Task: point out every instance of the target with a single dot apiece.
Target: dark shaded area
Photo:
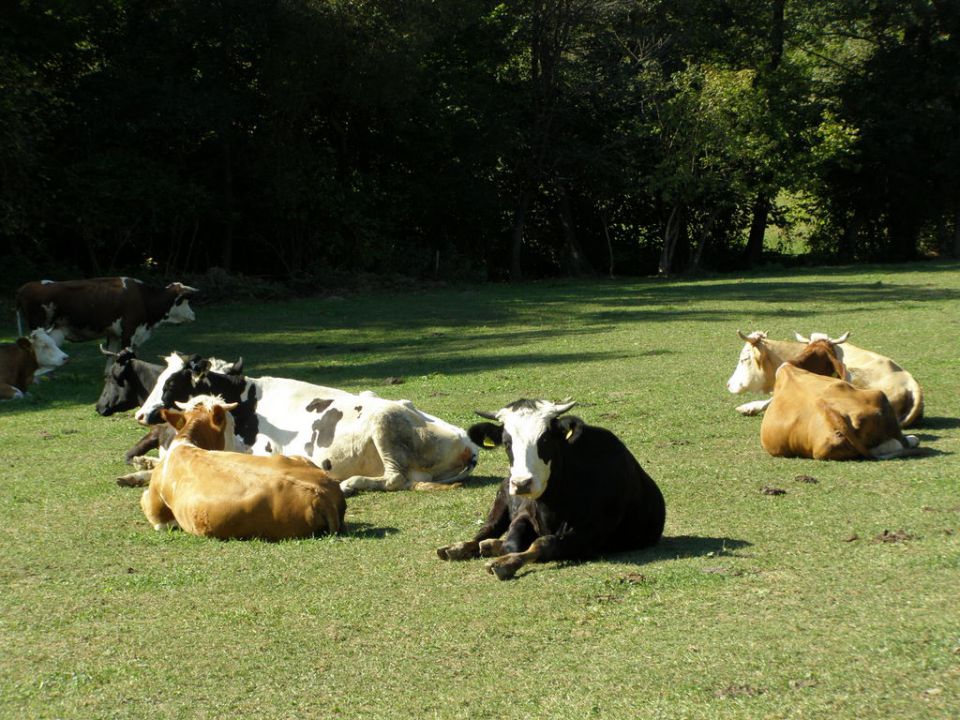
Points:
(299, 140)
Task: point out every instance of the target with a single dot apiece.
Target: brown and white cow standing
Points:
(816, 416)
(205, 491)
(122, 310)
(23, 361)
(760, 357)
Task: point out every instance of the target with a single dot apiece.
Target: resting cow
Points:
(761, 356)
(205, 491)
(128, 381)
(574, 492)
(364, 441)
(815, 416)
(123, 310)
(25, 360)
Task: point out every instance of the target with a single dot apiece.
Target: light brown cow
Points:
(761, 356)
(815, 416)
(206, 491)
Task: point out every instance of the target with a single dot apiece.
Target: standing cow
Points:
(574, 492)
(122, 310)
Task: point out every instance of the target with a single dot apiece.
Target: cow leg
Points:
(156, 510)
(145, 444)
(754, 408)
(9, 392)
(140, 478)
(572, 544)
(498, 521)
(395, 467)
(353, 484)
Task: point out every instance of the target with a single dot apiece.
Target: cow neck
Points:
(156, 303)
(146, 375)
(773, 355)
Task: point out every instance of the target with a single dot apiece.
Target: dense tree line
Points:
(472, 137)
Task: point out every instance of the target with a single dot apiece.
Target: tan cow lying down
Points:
(761, 356)
(825, 418)
(206, 491)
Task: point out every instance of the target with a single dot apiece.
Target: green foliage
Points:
(512, 138)
(753, 605)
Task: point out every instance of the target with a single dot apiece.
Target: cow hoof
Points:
(347, 490)
(458, 551)
(135, 479)
(491, 548)
(503, 570)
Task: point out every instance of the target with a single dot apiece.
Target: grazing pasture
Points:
(782, 588)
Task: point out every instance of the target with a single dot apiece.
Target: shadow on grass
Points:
(937, 423)
(368, 531)
(482, 481)
(679, 547)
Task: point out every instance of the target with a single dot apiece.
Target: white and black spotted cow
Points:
(363, 441)
(122, 310)
(574, 492)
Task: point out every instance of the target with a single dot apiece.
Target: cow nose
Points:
(521, 486)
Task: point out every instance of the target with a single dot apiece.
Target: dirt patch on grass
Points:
(897, 536)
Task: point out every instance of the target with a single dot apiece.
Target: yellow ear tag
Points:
(487, 442)
(569, 433)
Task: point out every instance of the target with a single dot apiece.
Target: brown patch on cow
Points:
(770, 490)
(806, 479)
(319, 405)
(893, 537)
(392, 380)
(739, 691)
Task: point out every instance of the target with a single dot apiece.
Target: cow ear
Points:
(486, 435)
(24, 343)
(570, 427)
(219, 417)
(173, 417)
(237, 367)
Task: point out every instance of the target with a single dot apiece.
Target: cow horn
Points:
(841, 339)
(486, 414)
(106, 352)
(800, 338)
(564, 405)
(748, 338)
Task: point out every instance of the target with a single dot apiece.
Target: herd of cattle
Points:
(275, 457)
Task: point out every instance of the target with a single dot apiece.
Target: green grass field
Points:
(752, 606)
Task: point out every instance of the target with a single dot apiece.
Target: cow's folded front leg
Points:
(460, 551)
(753, 408)
(353, 484)
(141, 478)
(506, 566)
(492, 547)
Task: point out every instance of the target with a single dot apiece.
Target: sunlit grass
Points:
(752, 606)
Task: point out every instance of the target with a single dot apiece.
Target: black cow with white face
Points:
(574, 492)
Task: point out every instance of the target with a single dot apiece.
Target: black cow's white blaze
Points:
(525, 424)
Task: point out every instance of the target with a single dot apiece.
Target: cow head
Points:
(180, 310)
(204, 421)
(749, 375)
(49, 356)
(822, 336)
(183, 378)
(120, 386)
(533, 434)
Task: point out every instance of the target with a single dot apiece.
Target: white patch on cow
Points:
(754, 408)
(49, 356)
(179, 313)
(525, 426)
(152, 403)
(140, 335)
(748, 375)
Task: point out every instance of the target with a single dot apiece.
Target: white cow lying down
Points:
(364, 441)
(760, 357)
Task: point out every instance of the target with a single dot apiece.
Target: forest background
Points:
(473, 139)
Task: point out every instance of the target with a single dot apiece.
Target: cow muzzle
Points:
(521, 485)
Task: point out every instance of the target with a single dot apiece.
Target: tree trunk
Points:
(606, 234)
(758, 226)
(577, 263)
(670, 235)
(516, 239)
(702, 242)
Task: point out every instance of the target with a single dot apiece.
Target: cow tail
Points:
(916, 409)
(842, 423)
